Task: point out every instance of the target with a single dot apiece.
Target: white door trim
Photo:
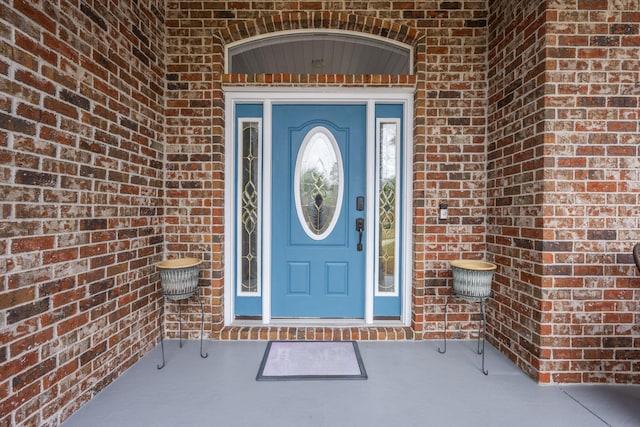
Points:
(370, 213)
(269, 96)
(266, 215)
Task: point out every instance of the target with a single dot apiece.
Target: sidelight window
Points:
(388, 207)
(249, 196)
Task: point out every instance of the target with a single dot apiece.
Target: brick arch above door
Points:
(285, 21)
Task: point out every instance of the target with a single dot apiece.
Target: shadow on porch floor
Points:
(410, 384)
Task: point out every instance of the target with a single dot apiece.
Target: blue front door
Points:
(318, 189)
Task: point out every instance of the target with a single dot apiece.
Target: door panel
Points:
(317, 270)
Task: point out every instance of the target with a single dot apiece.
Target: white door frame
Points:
(269, 96)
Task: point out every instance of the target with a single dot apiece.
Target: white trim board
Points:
(270, 96)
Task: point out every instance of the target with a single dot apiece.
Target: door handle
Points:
(360, 230)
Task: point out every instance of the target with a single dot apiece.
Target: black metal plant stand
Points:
(180, 282)
(202, 354)
(482, 327)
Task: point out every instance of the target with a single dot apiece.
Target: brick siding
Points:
(81, 148)
(563, 187)
(515, 178)
(112, 158)
(590, 328)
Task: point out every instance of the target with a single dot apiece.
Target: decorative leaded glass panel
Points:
(387, 195)
(318, 183)
(249, 208)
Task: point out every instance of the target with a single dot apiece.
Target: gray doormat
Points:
(311, 360)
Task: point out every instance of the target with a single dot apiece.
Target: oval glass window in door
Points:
(319, 183)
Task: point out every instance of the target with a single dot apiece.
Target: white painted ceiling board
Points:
(319, 53)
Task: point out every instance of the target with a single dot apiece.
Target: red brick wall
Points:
(450, 161)
(81, 184)
(449, 144)
(564, 187)
(592, 203)
(515, 178)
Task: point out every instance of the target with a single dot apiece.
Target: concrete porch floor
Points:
(410, 384)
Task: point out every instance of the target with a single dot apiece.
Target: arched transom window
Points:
(318, 52)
